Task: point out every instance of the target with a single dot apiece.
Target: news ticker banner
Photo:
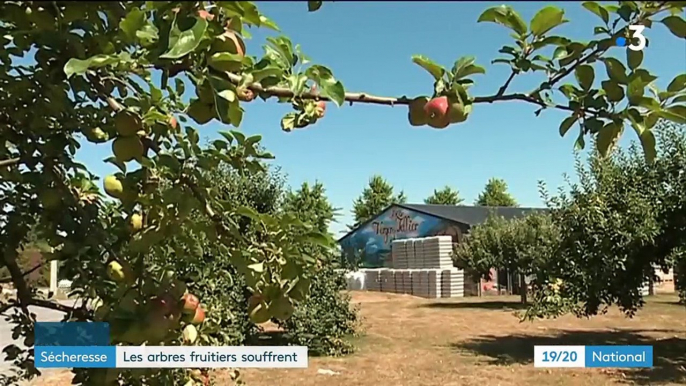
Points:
(593, 356)
(87, 345)
(130, 357)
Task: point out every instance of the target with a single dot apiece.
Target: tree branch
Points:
(8, 279)
(504, 87)
(79, 312)
(23, 292)
(403, 100)
(10, 162)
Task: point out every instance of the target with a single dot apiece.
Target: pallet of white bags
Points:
(452, 283)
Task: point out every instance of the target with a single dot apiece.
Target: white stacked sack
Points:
(372, 279)
(418, 245)
(411, 257)
(399, 252)
(437, 252)
(452, 283)
(420, 281)
(356, 280)
(404, 285)
(387, 280)
(433, 283)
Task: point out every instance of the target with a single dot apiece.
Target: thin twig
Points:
(504, 87)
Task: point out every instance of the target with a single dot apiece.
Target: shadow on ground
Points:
(484, 305)
(669, 354)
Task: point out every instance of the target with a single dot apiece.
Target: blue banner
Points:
(619, 356)
(76, 357)
(72, 334)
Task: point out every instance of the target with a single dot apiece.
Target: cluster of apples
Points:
(163, 312)
(438, 112)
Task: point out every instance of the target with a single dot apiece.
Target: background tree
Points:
(519, 246)
(445, 196)
(311, 205)
(619, 223)
(374, 198)
(326, 320)
(495, 194)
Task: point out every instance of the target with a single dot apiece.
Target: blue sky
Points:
(369, 45)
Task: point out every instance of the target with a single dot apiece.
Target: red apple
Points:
(437, 111)
(199, 316)
(320, 109)
(190, 303)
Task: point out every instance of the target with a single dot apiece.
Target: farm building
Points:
(369, 244)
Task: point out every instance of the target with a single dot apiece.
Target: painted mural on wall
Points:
(370, 245)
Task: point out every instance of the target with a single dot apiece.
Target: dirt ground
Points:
(477, 341)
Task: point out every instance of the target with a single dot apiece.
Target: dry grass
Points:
(477, 341)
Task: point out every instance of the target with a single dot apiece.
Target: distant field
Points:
(477, 341)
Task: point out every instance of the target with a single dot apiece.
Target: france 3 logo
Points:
(638, 41)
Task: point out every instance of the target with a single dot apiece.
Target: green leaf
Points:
(240, 137)
(597, 9)
(649, 103)
(506, 16)
(436, 70)
(328, 85)
(550, 40)
(318, 239)
(313, 6)
(613, 90)
(675, 114)
(635, 90)
(465, 66)
(644, 75)
(267, 72)
(222, 59)
(148, 35)
(616, 70)
(676, 25)
(608, 136)
(560, 52)
(269, 23)
(288, 121)
(120, 165)
(257, 267)
(248, 212)
(579, 144)
(634, 58)
(648, 143)
(78, 66)
(593, 125)
(134, 21)
(462, 63)
(678, 83)
(182, 43)
(567, 124)
(585, 76)
(547, 19)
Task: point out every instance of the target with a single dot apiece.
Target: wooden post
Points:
(53, 277)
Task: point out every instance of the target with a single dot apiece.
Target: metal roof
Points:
(470, 215)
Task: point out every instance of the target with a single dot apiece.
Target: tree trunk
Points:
(523, 288)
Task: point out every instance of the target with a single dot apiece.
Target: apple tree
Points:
(620, 222)
(138, 79)
(519, 246)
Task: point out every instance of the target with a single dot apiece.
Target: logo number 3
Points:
(638, 34)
